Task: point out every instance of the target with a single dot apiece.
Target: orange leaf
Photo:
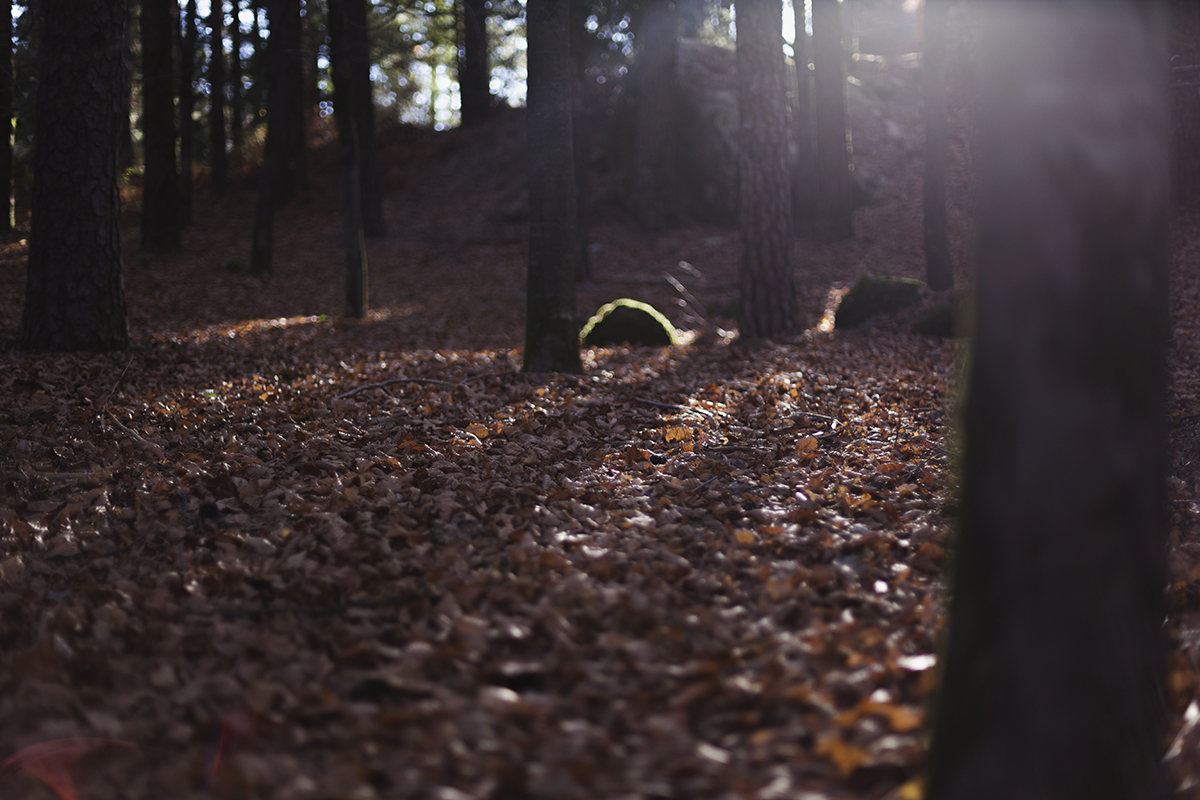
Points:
(807, 445)
(54, 762)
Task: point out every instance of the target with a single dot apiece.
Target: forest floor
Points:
(274, 552)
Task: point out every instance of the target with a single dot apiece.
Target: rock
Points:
(628, 321)
(873, 295)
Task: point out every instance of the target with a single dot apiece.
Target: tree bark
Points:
(273, 182)
(551, 326)
(363, 101)
(74, 296)
(187, 105)
(654, 193)
(6, 118)
(939, 270)
(474, 79)
(580, 125)
(1055, 654)
(237, 106)
(216, 98)
(288, 83)
(160, 185)
(764, 192)
(834, 199)
(804, 180)
(344, 112)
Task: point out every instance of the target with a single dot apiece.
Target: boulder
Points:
(628, 321)
(873, 295)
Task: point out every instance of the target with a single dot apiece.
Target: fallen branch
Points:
(673, 407)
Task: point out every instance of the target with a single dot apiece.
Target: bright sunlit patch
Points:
(251, 326)
(832, 300)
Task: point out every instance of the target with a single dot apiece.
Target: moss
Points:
(628, 321)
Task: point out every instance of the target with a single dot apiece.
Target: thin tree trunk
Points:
(160, 192)
(939, 271)
(764, 192)
(187, 106)
(237, 109)
(363, 101)
(474, 78)
(551, 325)
(1054, 662)
(344, 111)
(7, 219)
(216, 98)
(74, 296)
(804, 181)
(835, 202)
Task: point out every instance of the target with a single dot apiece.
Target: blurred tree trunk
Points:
(273, 184)
(363, 101)
(160, 185)
(654, 190)
(939, 271)
(344, 112)
(804, 181)
(764, 191)
(7, 113)
(125, 137)
(216, 97)
(1054, 661)
(187, 105)
(834, 200)
(74, 297)
(474, 75)
(580, 125)
(551, 326)
(288, 83)
(237, 107)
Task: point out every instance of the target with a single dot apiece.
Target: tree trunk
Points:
(216, 98)
(363, 102)
(272, 179)
(160, 192)
(237, 109)
(835, 203)
(474, 77)
(7, 219)
(804, 180)
(344, 111)
(580, 125)
(125, 137)
(551, 326)
(654, 193)
(187, 105)
(288, 83)
(1053, 666)
(939, 271)
(74, 297)
(764, 191)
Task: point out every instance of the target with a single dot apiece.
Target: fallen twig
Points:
(673, 407)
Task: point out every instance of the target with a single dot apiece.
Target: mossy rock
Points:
(627, 321)
(873, 295)
(947, 317)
